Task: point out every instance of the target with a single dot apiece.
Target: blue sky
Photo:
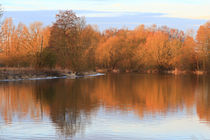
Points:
(106, 19)
(180, 14)
(193, 9)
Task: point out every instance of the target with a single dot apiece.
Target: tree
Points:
(7, 34)
(159, 51)
(203, 38)
(47, 58)
(70, 43)
(21, 46)
(112, 51)
(187, 55)
(65, 39)
(90, 38)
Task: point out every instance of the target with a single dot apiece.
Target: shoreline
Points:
(18, 74)
(170, 72)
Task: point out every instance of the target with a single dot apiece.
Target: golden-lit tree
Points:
(70, 43)
(21, 45)
(65, 39)
(184, 54)
(7, 34)
(203, 38)
(159, 50)
(89, 40)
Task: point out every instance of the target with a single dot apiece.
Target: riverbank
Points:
(155, 71)
(13, 74)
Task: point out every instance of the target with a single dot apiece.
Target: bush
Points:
(47, 58)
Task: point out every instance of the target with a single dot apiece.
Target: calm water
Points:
(120, 106)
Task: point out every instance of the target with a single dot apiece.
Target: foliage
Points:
(47, 58)
(71, 43)
(65, 39)
(203, 38)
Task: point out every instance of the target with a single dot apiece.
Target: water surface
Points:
(116, 106)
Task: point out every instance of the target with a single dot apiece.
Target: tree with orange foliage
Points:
(65, 39)
(70, 43)
(20, 46)
(187, 54)
(7, 31)
(89, 40)
(159, 51)
(203, 38)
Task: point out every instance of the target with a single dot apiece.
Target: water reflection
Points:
(71, 104)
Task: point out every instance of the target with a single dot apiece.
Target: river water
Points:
(114, 106)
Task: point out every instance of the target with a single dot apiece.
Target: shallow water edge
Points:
(14, 74)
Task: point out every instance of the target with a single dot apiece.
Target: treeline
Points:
(71, 43)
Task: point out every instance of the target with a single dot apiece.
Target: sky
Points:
(181, 14)
(195, 9)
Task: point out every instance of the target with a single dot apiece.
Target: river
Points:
(113, 106)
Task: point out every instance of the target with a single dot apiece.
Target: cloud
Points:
(194, 9)
(107, 19)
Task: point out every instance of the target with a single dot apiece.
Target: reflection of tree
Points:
(70, 103)
(17, 101)
(203, 104)
(147, 94)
